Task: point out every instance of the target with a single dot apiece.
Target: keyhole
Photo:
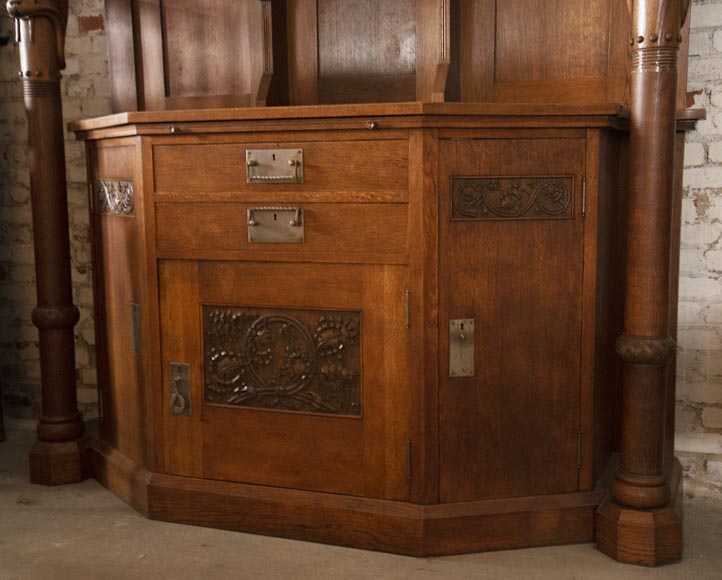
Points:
(462, 327)
(275, 217)
(274, 156)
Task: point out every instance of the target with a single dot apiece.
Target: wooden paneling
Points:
(565, 39)
(220, 68)
(477, 34)
(182, 435)
(121, 55)
(511, 430)
(373, 233)
(366, 50)
(303, 53)
(118, 277)
(332, 171)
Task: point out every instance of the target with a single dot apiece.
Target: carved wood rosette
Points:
(282, 359)
(40, 33)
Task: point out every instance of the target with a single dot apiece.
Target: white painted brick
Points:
(689, 211)
(715, 153)
(714, 260)
(89, 377)
(689, 313)
(698, 443)
(714, 211)
(704, 177)
(710, 366)
(713, 472)
(82, 356)
(88, 333)
(689, 465)
(87, 396)
(699, 392)
(700, 44)
(699, 288)
(691, 260)
(699, 339)
(78, 45)
(686, 419)
(712, 417)
(714, 314)
(700, 234)
(694, 155)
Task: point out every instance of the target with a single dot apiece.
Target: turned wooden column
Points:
(646, 345)
(40, 33)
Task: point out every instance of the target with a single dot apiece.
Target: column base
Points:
(644, 537)
(59, 463)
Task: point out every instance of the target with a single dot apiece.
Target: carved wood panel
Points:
(503, 198)
(283, 359)
(114, 197)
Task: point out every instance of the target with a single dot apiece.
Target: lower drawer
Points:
(340, 233)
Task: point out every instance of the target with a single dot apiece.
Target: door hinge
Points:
(584, 197)
(579, 449)
(135, 327)
(408, 309)
(408, 460)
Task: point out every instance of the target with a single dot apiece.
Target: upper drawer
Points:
(338, 171)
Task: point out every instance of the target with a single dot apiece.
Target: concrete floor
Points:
(82, 531)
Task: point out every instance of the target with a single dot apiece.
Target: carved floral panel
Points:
(114, 197)
(283, 359)
(504, 198)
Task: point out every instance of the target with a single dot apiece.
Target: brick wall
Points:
(699, 383)
(86, 93)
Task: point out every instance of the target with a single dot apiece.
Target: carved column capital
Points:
(26, 12)
(657, 23)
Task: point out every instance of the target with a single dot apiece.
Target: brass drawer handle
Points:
(276, 225)
(269, 165)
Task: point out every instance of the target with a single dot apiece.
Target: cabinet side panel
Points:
(611, 243)
(118, 270)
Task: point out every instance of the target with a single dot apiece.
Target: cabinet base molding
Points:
(58, 463)
(387, 526)
(645, 537)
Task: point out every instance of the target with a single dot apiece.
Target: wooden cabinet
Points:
(402, 324)
(318, 372)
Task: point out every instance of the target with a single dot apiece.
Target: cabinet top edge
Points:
(360, 110)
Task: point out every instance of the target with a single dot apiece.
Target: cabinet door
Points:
(298, 374)
(512, 260)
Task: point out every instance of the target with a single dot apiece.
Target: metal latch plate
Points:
(274, 166)
(276, 225)
(180, 389)
(461, 347)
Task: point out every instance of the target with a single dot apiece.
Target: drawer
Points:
(340, 171)
(340, 233)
